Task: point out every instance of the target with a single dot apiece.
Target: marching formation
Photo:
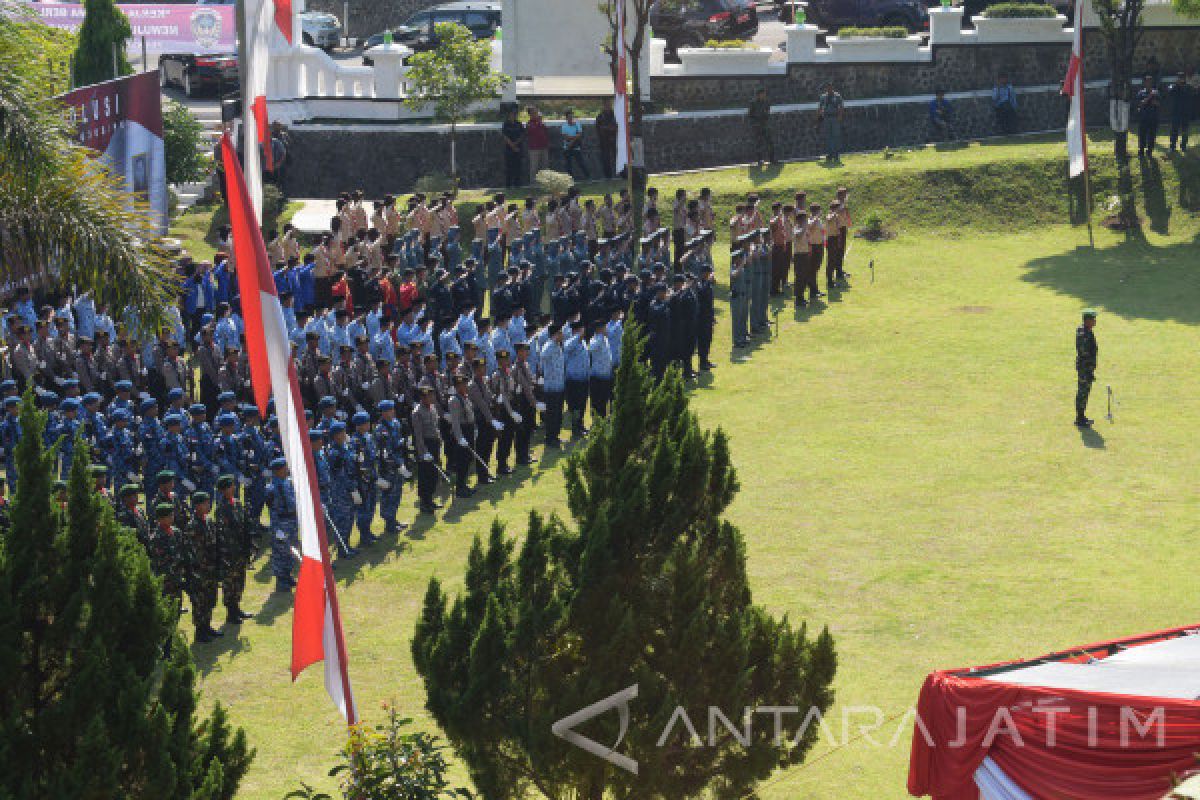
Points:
(404, 377)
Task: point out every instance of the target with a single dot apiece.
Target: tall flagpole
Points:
(1087, 168)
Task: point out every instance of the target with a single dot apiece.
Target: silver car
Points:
(321, 29)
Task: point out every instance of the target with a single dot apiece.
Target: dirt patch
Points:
(974, 309)
(875, 234)
(1114, 222)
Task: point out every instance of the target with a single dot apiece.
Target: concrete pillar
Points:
(389, 69)
(945, 25)
(801, 43)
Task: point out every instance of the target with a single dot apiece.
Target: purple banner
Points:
(166, 28)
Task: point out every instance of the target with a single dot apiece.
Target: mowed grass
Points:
(909, 476)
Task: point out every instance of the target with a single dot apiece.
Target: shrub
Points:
(889, 32)
(730, 44)
(183, 143)
(553, 182)
(1019, 11)
(873, 223)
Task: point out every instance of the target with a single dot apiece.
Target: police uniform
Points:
(281, 496)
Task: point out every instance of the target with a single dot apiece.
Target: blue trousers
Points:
(389, 501)
(365, 513)
(283, 539)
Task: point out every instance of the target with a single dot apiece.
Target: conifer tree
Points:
(90, 707)
(646, 585)
(105, 30)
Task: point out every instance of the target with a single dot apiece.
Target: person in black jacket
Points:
(658, 331)
(706, 318)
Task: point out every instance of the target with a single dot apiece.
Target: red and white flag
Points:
(268, 25)
(1073, 87)
(316, 623)
(621, 92)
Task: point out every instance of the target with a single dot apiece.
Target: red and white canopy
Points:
(1117, 719)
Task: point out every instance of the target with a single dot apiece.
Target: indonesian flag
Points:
(621, 97)
(316, 623)
(268, 23)
(1073, 87)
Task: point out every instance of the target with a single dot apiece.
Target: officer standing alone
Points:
(1086, 352)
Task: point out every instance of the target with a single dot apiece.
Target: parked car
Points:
(419, 33)
(320, 29)
(691, 23)
(833, 15)
(196, 73)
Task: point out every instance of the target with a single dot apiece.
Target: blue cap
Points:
(70, 383)
(147, 404)
(91, 397)
(11, 401)
(69, 404)
(226, 397)
(316, 433)
(337, 427)
(250, 410)
(123, 386)
(226, 419)
(197, 408)
(385, 405)
(327, 402)
(172, 419)
(206, 318)
(278, 463)
(8, 384)
(361, 418)
(175, 394)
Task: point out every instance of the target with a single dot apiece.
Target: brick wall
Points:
(956, 68)
(328, 159)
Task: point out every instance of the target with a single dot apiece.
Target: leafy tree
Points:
(183, 137)
(648, 586)
(1189, 8)
(61, 218)
(452, 77)
(90, 707)
(104, 31)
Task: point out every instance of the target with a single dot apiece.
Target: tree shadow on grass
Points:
(1133, 279)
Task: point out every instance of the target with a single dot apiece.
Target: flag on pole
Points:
(1073, 87)
(268, 25)
(621, 91)
(316, 623)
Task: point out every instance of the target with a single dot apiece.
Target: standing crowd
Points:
(403, 374)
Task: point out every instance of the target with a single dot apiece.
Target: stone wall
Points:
(328, 159)
(368, 17)
(956, 68)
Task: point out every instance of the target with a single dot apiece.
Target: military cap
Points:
(11, 401)
(337, 427)
(69, 404)
(98, 469)
(385, 405)
(1089, 313)
(8, 384)
(323, 359)
(360, 418)
(163, 510)
(128, 489)
(250, 410)
(200, 497)
(147, 404)
(278, 463)
(327, 402)
(316, 433)
(175, 393)
(225, 481)
(226, 419)
(164, 475)
(678, 278)
(60, 485)
(172, 419)
(71, 383)
(197, 409)
(424, 390)
(225, 397)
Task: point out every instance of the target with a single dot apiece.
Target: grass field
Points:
(909, 473)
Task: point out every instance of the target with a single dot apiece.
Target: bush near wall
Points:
(1019, 11)
(889, 32)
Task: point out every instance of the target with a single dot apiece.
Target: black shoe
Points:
(202, 636)
(554, 443)
(1083, 422)
(504, 469)
(525, 462)
(485, 480)
(819, 294)
(367, 539)
(464, 491)
(213, 633)
(232, 619)
(427, 508)
(347, 552)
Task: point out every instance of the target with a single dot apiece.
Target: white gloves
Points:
(517, 418)
(266, 473)
(540, 406)
(380, 483)
(366, 385)
(191, 487)
(131, 477)
(427, 457)
(281, 536)
(356, 497)
(404, 472)
(497, 424)
(244, 481)
(462, 442)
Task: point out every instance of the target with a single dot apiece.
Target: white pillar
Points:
(801, 43)
(658, 56)
(389, 69)
(945, 25)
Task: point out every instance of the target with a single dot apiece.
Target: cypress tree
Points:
(645, 585)
(104, 28)
(90, 707)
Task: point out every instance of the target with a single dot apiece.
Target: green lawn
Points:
(909, 473)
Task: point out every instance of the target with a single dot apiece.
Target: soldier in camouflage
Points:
(204, 567)
(1086, 352)
(236, 544)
